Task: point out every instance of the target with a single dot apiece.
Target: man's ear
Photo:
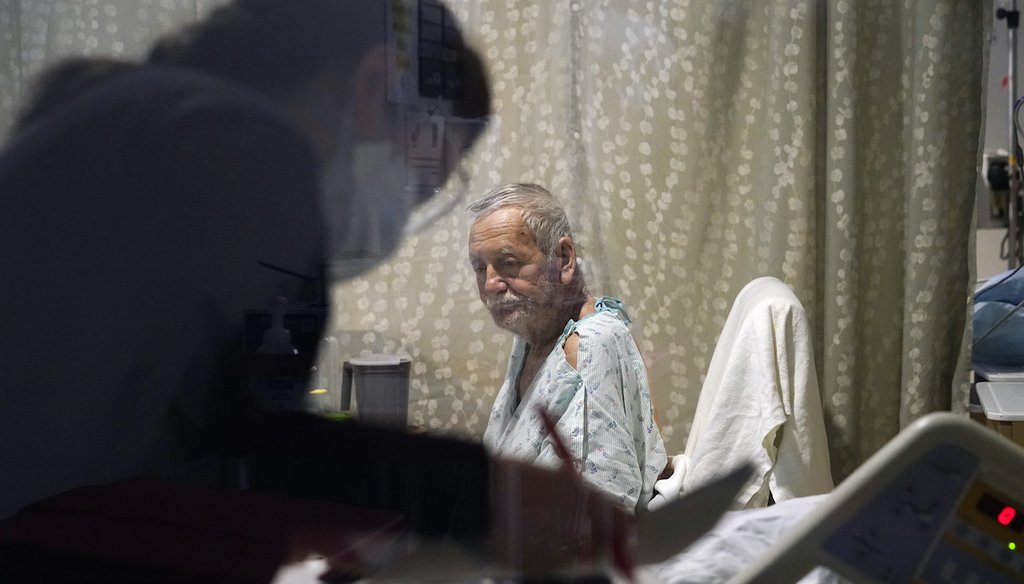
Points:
(565, 253)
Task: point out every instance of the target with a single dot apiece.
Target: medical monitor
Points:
(942, 502)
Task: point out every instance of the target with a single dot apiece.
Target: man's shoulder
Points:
(171, 83)
(144, 96)
(156, 134)
(602, 326)
(173, 96)
(609, 313)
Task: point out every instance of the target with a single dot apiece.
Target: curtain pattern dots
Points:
(706, 143)
(697, 144)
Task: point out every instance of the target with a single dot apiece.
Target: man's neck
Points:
(542, 342)
(539, 346)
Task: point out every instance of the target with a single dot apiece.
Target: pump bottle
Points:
(278, 373)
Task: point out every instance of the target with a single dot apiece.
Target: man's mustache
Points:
(506, 300)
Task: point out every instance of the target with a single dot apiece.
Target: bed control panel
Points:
(943, 502)
(889, 533)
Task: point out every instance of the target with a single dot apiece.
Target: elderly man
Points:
(573, 355)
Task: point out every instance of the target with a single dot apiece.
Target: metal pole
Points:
(1012, 17)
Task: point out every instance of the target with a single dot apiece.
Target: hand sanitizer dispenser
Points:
(278, 373)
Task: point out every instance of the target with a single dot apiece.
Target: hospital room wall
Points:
(684, 141)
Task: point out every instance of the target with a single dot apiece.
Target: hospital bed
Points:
(942, 502)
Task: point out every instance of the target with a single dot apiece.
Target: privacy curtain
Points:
(697, 144)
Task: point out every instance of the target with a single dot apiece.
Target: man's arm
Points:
(624, 450)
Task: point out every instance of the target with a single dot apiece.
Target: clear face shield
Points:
(385, 189)
(397, 126)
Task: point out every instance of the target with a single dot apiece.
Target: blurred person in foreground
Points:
(573, 356)
(62, 82)
(137, 210)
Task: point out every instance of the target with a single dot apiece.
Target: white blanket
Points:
(760, 401)
(733, 543)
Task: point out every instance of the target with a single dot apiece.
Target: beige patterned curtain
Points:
(697, 144)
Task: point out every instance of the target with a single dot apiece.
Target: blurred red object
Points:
(143, 530)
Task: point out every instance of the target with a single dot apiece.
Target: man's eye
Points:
(479, 268)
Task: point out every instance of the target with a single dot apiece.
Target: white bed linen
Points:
(737, 539)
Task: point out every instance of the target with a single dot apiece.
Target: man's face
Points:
(516, 281)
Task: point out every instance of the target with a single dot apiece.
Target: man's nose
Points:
(493, 282)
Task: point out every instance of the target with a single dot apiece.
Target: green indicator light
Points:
(1012, 546)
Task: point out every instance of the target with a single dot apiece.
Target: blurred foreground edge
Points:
(145, 530)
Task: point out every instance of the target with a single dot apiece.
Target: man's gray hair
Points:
(541, 212)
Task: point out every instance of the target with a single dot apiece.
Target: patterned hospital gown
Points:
(602, 409)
